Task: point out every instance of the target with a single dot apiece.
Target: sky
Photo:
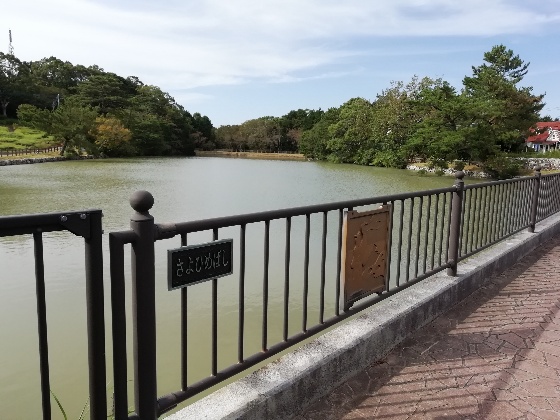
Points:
(235, 60)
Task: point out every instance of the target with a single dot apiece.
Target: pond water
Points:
(184, 189)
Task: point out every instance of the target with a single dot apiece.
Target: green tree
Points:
(313, 143)
(12, 87)
(111, 137)
(71, 123)
(351, 137)
(505, 111)
(440, 134)
(158, 124)
(107, 91)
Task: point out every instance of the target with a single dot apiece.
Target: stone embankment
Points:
(546, 164)
(449, 171)
(25, 161)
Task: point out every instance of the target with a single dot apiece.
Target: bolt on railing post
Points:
(455, 224)
(143, 312)
(535, 200)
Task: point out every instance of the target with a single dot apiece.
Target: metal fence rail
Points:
(430, 231)
(27, 151)
(86, 224)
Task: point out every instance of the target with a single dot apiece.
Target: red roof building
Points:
(547, 137)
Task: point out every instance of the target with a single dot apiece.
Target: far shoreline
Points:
(250, 155)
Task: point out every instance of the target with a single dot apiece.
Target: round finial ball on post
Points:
(141, 201)
(538, 168)
(459, 174)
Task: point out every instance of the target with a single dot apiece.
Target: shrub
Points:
(501, 167)
(437, 164)
(459, 165)
(439, 172)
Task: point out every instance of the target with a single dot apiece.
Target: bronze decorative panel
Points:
(365, 246)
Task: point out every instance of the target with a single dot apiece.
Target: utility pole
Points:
(11, 47)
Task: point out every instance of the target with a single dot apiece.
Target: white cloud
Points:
(188, 44)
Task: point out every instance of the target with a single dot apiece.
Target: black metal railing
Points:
(430, 231)
(86, 224)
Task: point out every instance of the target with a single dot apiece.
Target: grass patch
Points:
(15, 137)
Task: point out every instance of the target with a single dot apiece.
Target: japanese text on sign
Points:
(197, 263)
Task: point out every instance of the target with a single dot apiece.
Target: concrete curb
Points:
(286, 387)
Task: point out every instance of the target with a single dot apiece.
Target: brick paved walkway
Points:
(496, 355)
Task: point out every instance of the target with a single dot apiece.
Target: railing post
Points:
(143, 303)
(455, 224)
(535, 200)
(96, 318)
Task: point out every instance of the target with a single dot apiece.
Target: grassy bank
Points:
(13, 136)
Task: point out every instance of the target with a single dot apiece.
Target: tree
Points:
(395, 119)
(440, 135)
(111, 137)
(11, 85)
(313, 143)
(293, 124)
(351, 137)
(158, 124)
(107, 91)
(505, 111)
(71, 123)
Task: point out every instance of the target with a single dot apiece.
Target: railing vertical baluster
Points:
(118, 318)
(555, 188)
(535, 199)
(418, 232)
(390, 246)
(503, 210)
(476, 217)
(184, 330)
(338, 262)
(543, 201)
(485, 219)
(495, 198)
(462, 224)
(42, 325)
(264, 345)
(434, 232)
(517, 205)
(287, 279)
(323, 269)
(399, 247)
(95, 304)
(306, 274)
(143, 292)
(442, 229)
(409, 245)
(481, 219)
(241, 327)
(526, 200)
(455, 225)
(466, 220)
(215, 317)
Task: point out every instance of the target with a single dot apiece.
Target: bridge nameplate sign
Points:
(193, 264)
(365, 247)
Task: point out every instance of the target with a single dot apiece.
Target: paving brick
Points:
(496, 355)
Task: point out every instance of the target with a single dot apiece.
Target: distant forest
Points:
(421, 119)
(87, 108)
